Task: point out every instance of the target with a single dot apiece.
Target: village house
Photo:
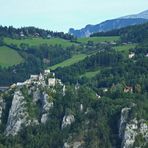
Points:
(128, 89)
(51, 81)
(105, 89)
(47, 71)
(131, 55)
(48, 36)
(22, 34)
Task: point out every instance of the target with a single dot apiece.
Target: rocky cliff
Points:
(75, 115)
(29, 102)
(133, 132)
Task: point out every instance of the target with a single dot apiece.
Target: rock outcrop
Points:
(130, 129)
(17, 114)
(46, 106)
(31, 102)
(1, 108)
(76, 144)
(67, 120)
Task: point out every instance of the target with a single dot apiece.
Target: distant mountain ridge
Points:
(143, 15)
(111, 25)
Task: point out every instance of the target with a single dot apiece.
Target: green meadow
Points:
(9, 57)
(38, 41)
(71, 61)
(125, 48)
(99, 39)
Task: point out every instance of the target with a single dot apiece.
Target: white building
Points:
(46, 72)
(51, 81)
(34, 77)
(20, 84)
(131, 55)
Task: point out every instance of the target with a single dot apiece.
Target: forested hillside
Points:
(135, 34)
(95, 96)
(29, 50)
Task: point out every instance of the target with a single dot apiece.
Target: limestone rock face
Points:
(36, 95)
(123, 120)
(17, 114)
(1, 108)
(67, 120)
(31, 102)
(76, 144)
(130, 134)
(46, 106)
(144, 129)
(130, 129)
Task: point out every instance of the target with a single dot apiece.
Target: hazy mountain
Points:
(143, 15)
(111, 24)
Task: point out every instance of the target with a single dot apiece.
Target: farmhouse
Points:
(128, 89)
(131, 55)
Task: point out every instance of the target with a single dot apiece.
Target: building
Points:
(34, 77)
(131, 55)
(47, 71)
(51, 81)
(128, 89)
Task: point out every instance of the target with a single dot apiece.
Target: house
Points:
(34, 77)
(48, 36)
(98, 96)
(131, 55)
(47, 71)
(128, 89)
(22, 34)
(51, 81)
(20, 83)
(105, 89)
(113, 43)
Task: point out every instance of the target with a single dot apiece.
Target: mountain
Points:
(143, 15)
(111, 24)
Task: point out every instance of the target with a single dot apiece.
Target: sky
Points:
(60, 15)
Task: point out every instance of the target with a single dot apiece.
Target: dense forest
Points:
(25, 32)
(135, 34)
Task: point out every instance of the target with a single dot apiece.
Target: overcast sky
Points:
(60, 15)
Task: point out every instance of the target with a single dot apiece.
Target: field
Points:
(90, 74)
(38, 41)
(98, 39)
(125, 48)
(9, 57)
(71, 61)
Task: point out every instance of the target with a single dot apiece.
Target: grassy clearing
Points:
(71, 61)
(90, 74)
(125, 48)
(9, 57)
(38, 41)
(99, 39)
